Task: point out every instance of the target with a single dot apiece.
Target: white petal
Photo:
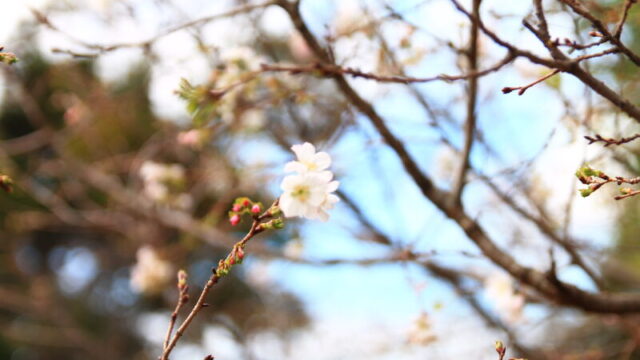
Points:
(304, 152)
(290, 207)
(295, 166)
(333, 186)
(323, 216)
(317, 196)
(311, 212)
(322, 160)
(323, 176)
(290, 182)
(329, 202)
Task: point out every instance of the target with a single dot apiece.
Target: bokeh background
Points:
(124, 174)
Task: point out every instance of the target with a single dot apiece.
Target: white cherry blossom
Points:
(308, 159)
(309, 192)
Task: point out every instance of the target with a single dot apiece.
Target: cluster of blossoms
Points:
(163, 183)
(309, 192)
(150, 274)
(499, 289)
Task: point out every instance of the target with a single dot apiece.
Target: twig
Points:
(101, 49)
(627, 6)
(472, 99)
(567, 65)
(579, 9)
(325, 69)
(610, 141)
(224, 266)
(568, 294)
(183, 298)
(595, 179)
(524, 88)
(630, 194)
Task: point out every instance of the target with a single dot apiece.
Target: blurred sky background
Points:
(360, 312)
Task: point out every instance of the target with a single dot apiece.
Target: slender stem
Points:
(256, 228)
(472, 100)
(174, 316)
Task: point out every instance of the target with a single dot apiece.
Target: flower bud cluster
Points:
(235, 257)
(242, 206)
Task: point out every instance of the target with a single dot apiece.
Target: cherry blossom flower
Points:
(150, 274)
(309, 192)
(308, 159)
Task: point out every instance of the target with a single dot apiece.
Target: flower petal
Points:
(295, 166)
(322, 160)
(304, 152)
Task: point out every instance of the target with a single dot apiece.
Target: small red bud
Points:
(246, 202)
(240, 253)
(234, 220)
(236, 208)
(232, 260)
(256, 209)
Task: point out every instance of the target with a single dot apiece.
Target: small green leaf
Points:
(586, 192)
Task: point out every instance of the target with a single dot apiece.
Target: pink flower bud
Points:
(236, 208)
(240, 253)
(234, 220)
(246, 202)
(256, 209)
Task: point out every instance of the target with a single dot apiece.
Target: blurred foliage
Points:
(68, 244)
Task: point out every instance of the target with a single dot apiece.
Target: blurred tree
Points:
(68, 244)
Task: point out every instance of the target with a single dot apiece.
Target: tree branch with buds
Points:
(268, 220)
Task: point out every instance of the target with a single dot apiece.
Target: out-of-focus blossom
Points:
(421, 332)
(241, 58)
(299, 48)
(500, 290)
(153, 171)
(253, 119)
(151, 274)
(163, 183)
(294, 249)
(349, 19)
(193, 138)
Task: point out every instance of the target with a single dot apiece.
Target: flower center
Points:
(301, 192)
(311, 166)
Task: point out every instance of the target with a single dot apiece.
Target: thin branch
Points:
(522, 89)
(330, 70)
(557, 291)
(101, 49)
(235, 256)
(579, 9)
(610, 141)
(183, 298)
(568, 65)
(472, 99)
(625, 12)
